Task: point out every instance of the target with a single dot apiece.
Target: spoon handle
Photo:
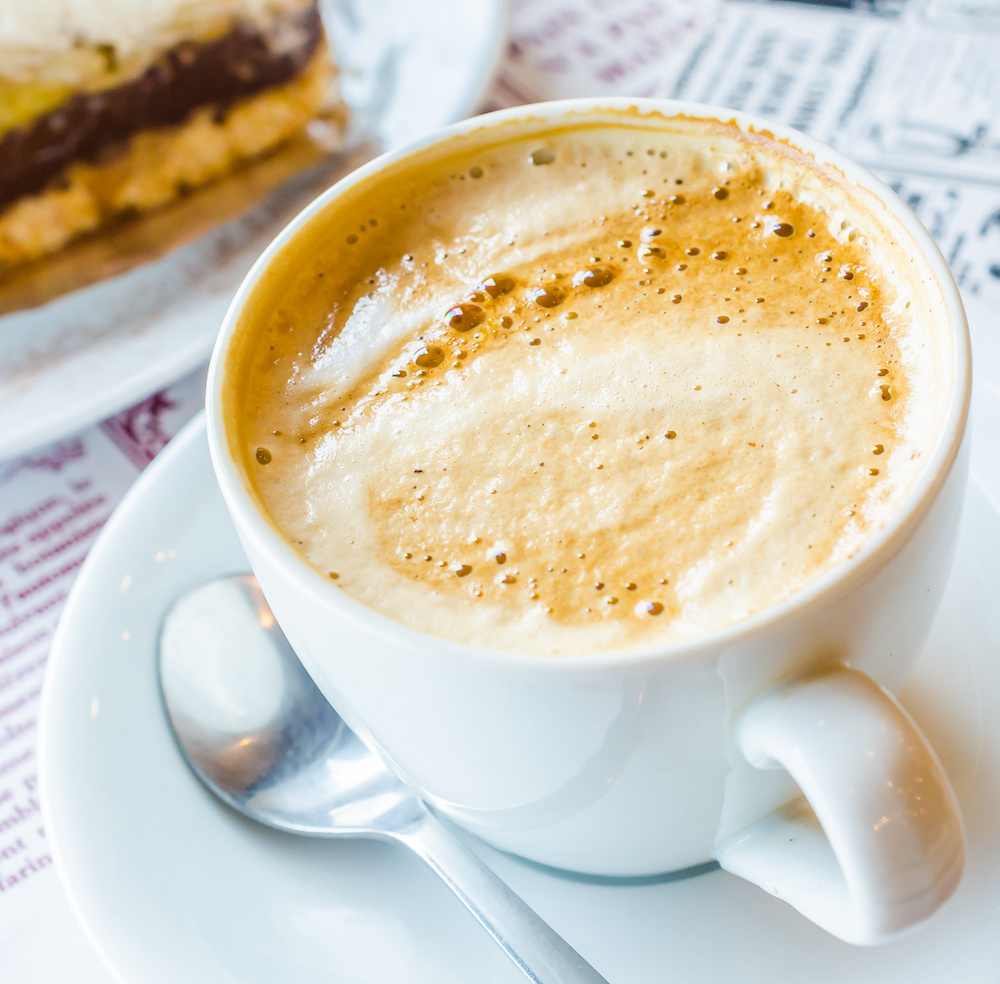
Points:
(540, 953)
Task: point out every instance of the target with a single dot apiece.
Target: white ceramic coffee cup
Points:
(652, 760)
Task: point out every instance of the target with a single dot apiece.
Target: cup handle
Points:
(875, 846)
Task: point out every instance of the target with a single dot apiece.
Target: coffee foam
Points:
(654, 421)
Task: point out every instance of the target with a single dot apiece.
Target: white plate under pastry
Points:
(170, 885)
(407, 68)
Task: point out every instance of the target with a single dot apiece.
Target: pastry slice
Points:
(110, 108)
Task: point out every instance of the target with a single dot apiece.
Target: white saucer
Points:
(408, 69)
(172, 886)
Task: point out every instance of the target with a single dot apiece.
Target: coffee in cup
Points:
(589, 389)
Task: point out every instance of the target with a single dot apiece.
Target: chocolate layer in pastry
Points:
(245, 61)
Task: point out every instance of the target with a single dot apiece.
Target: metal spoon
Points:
(257, 731)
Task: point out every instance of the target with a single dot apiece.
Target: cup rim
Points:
(875, 550)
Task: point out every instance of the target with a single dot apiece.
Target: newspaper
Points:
(910, 88)
(53, 504)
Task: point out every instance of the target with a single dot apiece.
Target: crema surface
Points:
(588, 390)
